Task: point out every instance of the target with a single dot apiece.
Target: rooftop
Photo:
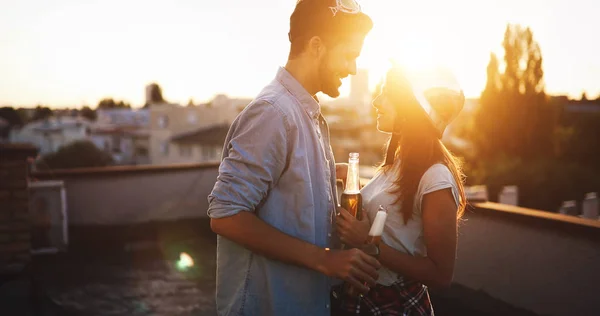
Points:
(123, 249)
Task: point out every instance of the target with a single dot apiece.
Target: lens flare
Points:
(185, 261)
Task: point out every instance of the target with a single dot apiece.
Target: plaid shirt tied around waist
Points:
(405, 298)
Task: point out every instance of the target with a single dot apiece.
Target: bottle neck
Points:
(352, 178)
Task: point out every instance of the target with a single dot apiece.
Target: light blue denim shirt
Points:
(278, 164)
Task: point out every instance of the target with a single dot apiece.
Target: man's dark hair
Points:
(315, 18)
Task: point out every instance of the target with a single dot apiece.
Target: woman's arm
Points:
(439, 224)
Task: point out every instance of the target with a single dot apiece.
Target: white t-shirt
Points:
(407, 238)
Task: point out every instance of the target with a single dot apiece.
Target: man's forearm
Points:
(253, 233)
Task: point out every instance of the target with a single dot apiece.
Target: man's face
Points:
(337, 62)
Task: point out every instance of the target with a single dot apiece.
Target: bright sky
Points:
(73, 52)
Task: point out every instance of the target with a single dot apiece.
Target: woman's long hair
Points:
(416, 148)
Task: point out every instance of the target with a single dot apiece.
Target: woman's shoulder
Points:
(438, 169)
(438, 175)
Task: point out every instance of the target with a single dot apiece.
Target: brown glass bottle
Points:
(351, 199)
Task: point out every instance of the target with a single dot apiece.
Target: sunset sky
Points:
(74, 52)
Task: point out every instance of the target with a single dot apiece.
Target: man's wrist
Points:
(318, 260)
(372, 250)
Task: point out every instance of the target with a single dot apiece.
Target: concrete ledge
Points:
(556, 217)
(537, 261)
(117, 170)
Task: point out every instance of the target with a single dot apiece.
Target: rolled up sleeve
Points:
(254, 158)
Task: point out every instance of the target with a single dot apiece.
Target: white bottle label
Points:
(378, 224)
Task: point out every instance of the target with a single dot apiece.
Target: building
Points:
(201, 145)
(360, 93)
(170, 122)
(359, 100)
(126, 146)
(124, 134)
(50, 134)
(353, 136)
(123, 117)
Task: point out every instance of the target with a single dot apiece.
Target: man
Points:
(275, 197)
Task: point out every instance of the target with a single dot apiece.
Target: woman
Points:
(420, 185)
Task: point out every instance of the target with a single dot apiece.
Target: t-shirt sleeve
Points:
(437, 177)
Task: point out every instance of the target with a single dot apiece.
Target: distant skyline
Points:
(72, 53)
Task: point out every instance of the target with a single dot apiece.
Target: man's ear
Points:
(316, 46)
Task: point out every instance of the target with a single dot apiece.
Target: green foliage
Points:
(79, 154)
(522, 138)
(515, 117)
(41, 113)
(543, 183)
(109, 103)
(88, 113)
(11, 116)
(580, 136)
(155, 95)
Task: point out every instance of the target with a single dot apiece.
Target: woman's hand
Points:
(352, 232)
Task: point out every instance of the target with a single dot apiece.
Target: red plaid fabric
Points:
(405, 298)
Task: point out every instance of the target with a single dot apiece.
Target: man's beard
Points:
(328, 80)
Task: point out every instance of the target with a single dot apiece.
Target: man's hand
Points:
(353, 266)
(352, 232)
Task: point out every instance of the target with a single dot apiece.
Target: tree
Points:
(109, 103)
(155, 94)
(41, 113)
(88, 113)
(12, 119)
(515, 131)
(79, 154)
(514, 117)
(11, 116)
(24, 114)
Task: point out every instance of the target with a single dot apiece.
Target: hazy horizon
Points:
(67, 53)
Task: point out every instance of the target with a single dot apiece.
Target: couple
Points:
(274, 204)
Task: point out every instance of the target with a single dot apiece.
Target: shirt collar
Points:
(308, 102)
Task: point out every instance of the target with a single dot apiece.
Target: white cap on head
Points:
(438, 92)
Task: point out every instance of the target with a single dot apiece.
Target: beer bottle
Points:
(351, 198)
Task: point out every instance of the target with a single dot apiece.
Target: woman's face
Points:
(386, 111)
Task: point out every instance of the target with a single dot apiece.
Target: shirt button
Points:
(329, 197)
(329, 235)
(327, 305)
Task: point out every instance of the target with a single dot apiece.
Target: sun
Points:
(412, 52)
(412, 35)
